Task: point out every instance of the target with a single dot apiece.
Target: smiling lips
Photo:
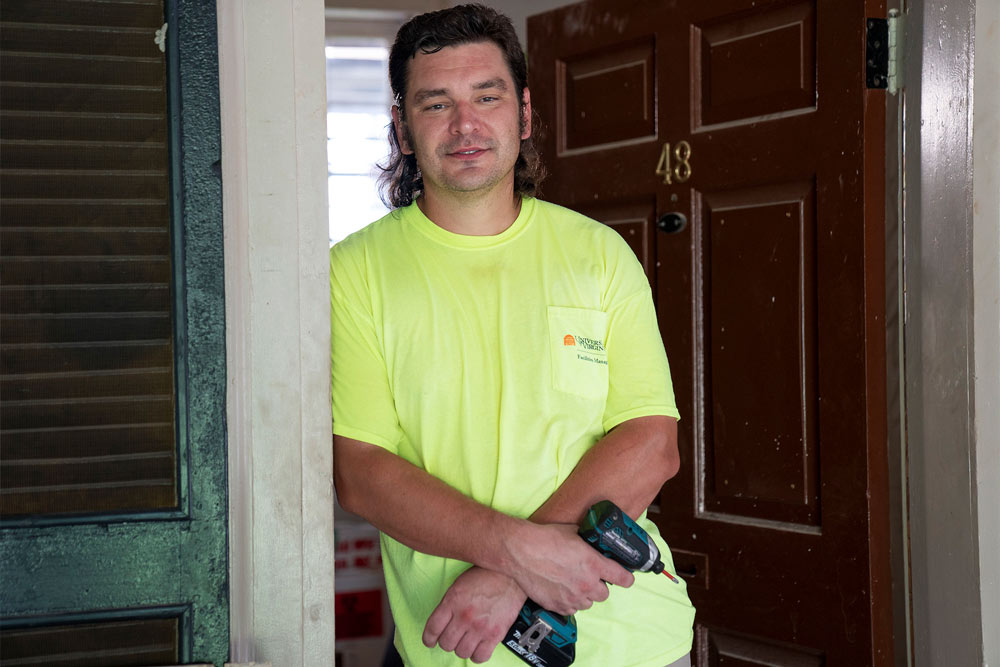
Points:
(467, 153)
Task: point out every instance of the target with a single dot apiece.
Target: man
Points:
(497, 369)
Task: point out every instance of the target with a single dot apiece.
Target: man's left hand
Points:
(475, 614)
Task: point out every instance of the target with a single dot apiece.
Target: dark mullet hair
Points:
(400, 181)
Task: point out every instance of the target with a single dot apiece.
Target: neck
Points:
(471, 214)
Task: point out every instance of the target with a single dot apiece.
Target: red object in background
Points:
(359, 614)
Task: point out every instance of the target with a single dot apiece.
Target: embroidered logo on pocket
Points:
(588, 349)
(579, 359)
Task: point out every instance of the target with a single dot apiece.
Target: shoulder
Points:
(356, 261)
(598, 248)
(576, 229)
(371, 235)
(382, 237)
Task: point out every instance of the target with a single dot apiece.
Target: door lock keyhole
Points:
(672, 223)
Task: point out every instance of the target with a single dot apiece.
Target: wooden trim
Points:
(939, 341)
(880, 571)
(274, 167)
(235, 202)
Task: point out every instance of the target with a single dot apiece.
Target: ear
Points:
(526, 114)
(397, 125)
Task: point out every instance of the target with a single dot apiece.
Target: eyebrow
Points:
(497, 83)
(426, 94)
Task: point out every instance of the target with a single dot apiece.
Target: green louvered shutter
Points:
(111, 510)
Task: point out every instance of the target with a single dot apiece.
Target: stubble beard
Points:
(482, 175)
(454, 184)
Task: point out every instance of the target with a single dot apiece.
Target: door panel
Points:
(729, 650)
(624, 73)
(758, 136)
(759, 443)
(748, 65)
(151, 641)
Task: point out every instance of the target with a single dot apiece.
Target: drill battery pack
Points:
(542, 638)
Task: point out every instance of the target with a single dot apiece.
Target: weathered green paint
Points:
(111, 563)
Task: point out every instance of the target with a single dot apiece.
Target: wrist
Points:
(503, 555)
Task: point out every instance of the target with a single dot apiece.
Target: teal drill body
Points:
(617, 536)
(545, 639)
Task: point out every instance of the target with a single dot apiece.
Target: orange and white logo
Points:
(569, 340)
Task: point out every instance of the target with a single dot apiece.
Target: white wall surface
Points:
(272, 85)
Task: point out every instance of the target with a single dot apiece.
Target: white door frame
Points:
(273, 98)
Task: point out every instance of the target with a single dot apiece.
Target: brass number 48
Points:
(681, 171)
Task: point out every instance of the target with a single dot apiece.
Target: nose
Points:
(465, 120)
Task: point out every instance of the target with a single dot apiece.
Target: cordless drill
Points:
(544, 638)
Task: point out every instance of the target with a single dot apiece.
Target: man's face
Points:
(464, 119)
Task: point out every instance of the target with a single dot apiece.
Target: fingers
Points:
(584, 585)
(484, 651)
(570, 608)
(466, 647)
(436, 624)
(613, 573)
(476, 649)
(471, 646)
(451, 637)
(465, 638)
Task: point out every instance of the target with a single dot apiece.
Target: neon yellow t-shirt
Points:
(494, 363)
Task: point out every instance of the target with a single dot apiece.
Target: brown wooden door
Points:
(770, 298)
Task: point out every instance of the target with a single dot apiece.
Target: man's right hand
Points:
(559, 571)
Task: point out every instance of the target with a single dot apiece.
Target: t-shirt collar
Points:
(413, 215)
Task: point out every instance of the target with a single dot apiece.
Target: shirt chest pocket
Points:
(576, 347)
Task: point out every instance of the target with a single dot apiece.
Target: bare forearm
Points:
(549, 563)
(627, 466)
(417, 509)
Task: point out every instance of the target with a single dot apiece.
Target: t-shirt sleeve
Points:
(639, 383)
(363, 407)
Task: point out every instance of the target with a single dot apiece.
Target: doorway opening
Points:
(357, 112)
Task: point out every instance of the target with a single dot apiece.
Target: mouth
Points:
(468, 153)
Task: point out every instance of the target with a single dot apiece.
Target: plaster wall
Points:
(272, 81)
(986, 286)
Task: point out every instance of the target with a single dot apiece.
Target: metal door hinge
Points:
(895, 70)
(882, 50)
